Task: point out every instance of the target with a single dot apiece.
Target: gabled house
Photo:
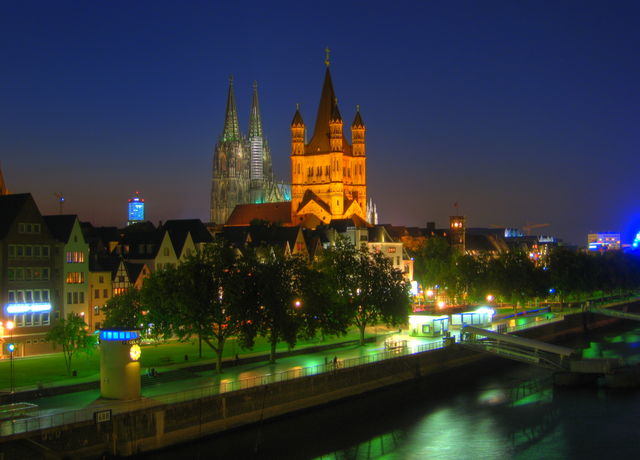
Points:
(30, 297)
(101, 271)
(187, 236)
(71, 258)
(127, 275)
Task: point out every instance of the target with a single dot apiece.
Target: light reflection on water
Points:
(511, 413)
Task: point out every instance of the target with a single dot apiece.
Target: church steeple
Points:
(255, 122)
(328, 175)
(3, 187)
(231, 130)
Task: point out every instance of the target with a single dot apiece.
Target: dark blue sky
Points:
(522, 112)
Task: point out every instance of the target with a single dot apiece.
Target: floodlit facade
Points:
(328, 174)
(242, 170)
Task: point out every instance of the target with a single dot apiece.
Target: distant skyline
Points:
(521, 112)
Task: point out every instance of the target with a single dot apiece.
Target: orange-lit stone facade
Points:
(328, 175)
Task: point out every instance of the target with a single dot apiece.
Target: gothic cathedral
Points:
(328, 175)
(242, 171)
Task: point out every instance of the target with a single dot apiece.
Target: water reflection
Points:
(512, 412)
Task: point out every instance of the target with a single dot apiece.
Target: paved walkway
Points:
(185, 384)
(185, 380)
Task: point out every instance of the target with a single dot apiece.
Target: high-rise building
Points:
(135, 209)
(242, 170)
(328, 174)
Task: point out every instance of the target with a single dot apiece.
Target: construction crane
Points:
(60, 198)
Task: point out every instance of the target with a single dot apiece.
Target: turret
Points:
(335, 128)
(297, 133)
(357, 134)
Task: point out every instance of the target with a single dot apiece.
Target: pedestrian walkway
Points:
(190, 380)
(189, 384)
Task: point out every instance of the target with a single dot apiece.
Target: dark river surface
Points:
(496, 410)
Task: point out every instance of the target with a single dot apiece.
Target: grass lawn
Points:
(47, 369)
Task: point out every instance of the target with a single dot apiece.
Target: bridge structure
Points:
(614, 313)
(534, 352)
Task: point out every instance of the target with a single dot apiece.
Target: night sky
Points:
(521, 112)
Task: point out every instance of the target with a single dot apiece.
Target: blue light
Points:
(17, 308)
(552, 291)
(119, 335)
(11, 347)
(136, 209)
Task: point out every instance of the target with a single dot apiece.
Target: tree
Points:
(513, 277)
(433, 262)
(205, 296)
(368, 284)
(124, 311)
(467, 279)
(322, 307)
(73, 336)
(279, 299)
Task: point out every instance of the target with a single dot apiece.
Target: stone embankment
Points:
(164, 425)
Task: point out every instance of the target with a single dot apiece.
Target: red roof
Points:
(243, 214)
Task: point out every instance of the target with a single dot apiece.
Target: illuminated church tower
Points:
(328, 175)
(230, 182)
(262, 188)
(242, 170)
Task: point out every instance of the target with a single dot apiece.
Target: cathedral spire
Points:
(255, 122)
(231, 127)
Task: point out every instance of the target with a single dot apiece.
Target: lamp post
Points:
(11, 347)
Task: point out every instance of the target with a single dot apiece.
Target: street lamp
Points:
(11, 347)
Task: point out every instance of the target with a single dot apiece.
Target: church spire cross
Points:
(326, 59)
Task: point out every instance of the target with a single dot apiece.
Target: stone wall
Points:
(164, 425)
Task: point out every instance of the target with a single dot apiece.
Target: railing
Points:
(24, 425)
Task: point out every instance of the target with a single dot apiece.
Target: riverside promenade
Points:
(189, 403)
(180, 383)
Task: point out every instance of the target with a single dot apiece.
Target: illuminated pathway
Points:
(181, 381)
(184, 384)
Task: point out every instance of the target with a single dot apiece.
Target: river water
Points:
(495, 410)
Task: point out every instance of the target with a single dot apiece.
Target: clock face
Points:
(134, 352)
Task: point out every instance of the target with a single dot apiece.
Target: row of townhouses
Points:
(51, 266)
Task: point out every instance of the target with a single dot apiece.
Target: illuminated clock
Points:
(134, 352)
